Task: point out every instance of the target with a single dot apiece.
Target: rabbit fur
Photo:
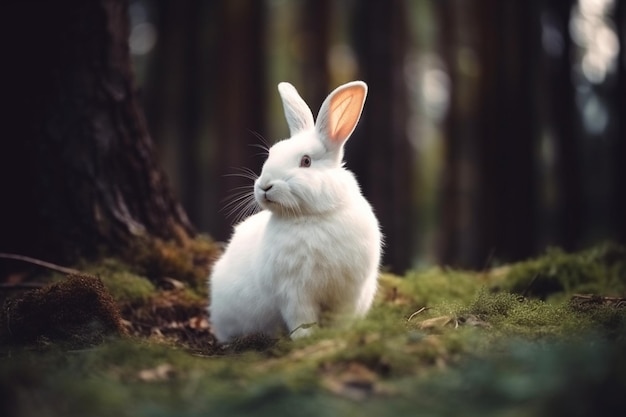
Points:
(313, 251)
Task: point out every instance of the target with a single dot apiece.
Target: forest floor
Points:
(541, 337)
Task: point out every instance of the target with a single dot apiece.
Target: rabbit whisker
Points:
(265, 149)
(247, 175)
(241, 208)
(261, 139)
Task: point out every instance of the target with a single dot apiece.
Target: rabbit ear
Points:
(340, 113)
(297, 113)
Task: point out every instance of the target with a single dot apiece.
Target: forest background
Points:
(492, 129)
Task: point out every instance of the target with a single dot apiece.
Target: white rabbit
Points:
(313, 252)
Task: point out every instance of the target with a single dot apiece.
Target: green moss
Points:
(608, 320)
(599, 270)
(438, 285)
(124, 285)
(437, 342)
(186, 260)
(127, 287)
(425, 289)
(518, 316)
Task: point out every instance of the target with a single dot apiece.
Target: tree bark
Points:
(619, 192)
(566, 127)
(78, 172)
(380, 153)
(450, 227)
(315, 25)
(178, 96)
(466, 215)
(488, 196)
(240, 107)
(508, 131)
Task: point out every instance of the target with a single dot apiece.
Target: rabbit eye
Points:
(305, 162)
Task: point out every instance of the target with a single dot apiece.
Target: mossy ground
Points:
(437, 342)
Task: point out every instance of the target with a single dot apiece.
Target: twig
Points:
(592, 298)
(421, 310)
(38, 262)
(303, 326)
(489, 259)
(597, 297)
(529, 286)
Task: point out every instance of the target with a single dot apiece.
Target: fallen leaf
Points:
(162, 372)
(436, 322)
(172, 284)
(199, 323)
(356, 382)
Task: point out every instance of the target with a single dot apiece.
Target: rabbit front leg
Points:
(300, 315)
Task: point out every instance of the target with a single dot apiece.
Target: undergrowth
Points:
(522, 339)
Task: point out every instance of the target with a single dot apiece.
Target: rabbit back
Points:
(241, 303)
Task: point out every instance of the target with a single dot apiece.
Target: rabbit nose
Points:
(266, 188)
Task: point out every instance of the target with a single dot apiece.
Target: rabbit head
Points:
(303, 174)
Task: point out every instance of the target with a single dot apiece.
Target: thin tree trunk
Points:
(380, 154)
(177, 99)
(566, 127)
(78, 172)
(465, 213)
(509, 130)
(315, 24)
(620, 113)
(240, 104)
(488, 193)
(449, 233)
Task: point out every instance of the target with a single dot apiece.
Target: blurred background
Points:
(492, 128)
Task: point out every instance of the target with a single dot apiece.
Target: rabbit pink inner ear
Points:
(344, 112)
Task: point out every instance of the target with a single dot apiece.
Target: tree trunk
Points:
(488, 191)
(464, 232)
(380, 154)
(566, 128)
(78, 172)
(450, 227)
(508, 130)
(178, 96)
(240, 106)
(619, 192)
(315, 25)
